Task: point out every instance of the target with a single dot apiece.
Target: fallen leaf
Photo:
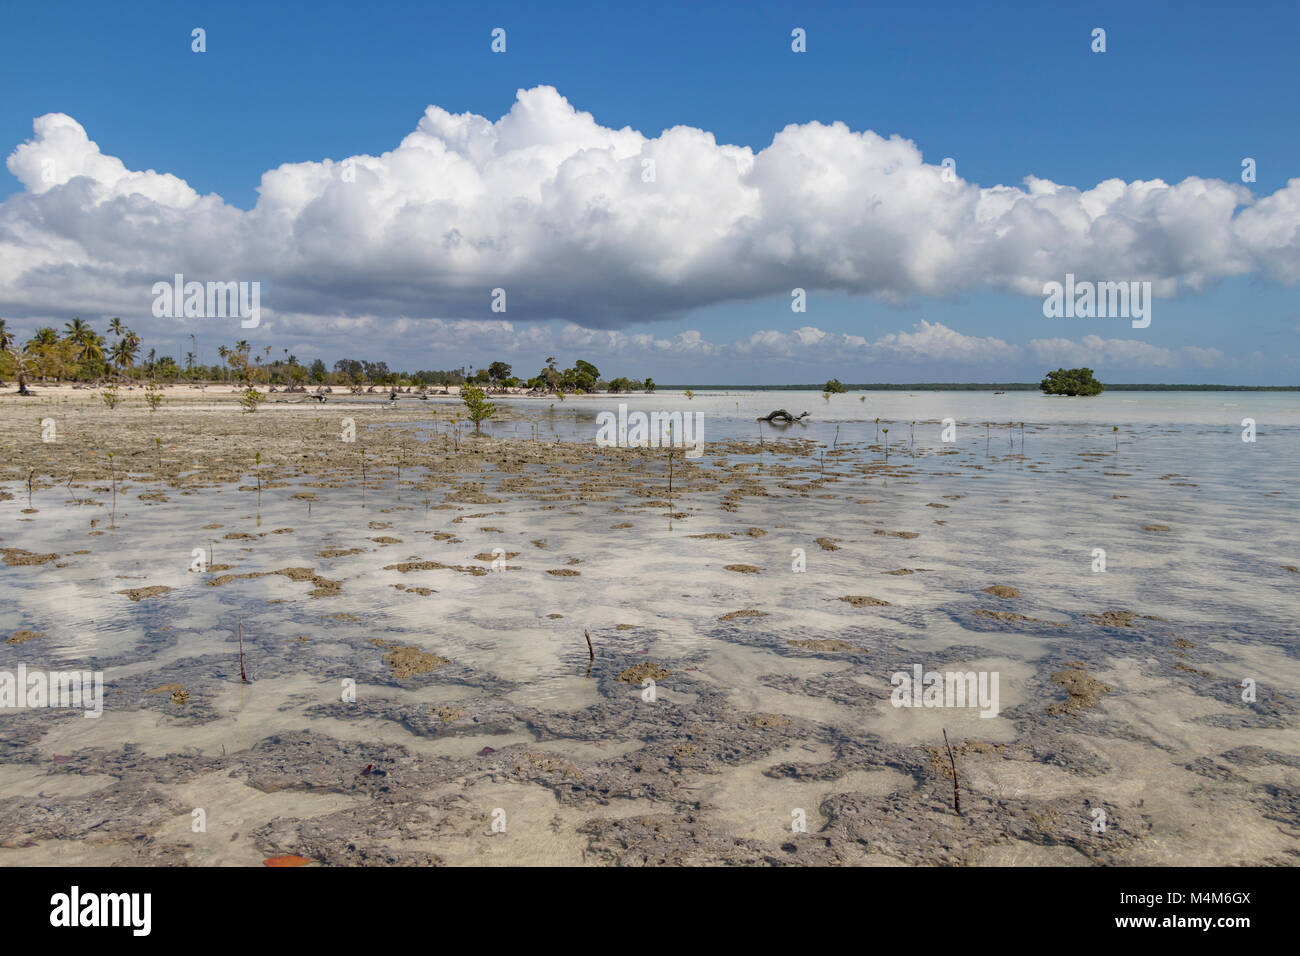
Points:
(286, 861)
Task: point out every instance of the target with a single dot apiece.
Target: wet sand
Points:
(413, 607)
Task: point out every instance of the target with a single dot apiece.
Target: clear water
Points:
(1025, 508)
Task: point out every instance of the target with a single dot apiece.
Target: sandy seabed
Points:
(415, 608)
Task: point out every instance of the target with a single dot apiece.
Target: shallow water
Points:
(1217, 576)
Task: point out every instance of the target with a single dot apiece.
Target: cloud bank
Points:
(804, 353)
(606, 227)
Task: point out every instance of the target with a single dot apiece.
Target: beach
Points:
(526, 647)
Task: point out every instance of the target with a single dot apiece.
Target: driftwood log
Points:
(781, 417)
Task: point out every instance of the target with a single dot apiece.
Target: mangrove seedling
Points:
(113, 471)
(956, 794)
(670, 465)
(400, 458)
(243, 677)
(250, 398)
(479, 409)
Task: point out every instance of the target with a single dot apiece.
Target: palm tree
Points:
(76, 330)
(92, 349)
(44, 336)
(115, 327)
(123, 353)
(189, 361)
(6, 340)
(241, 351)
(223, 352)
(20, 364)
(90, 346)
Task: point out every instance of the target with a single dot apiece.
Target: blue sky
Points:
(1007, 90)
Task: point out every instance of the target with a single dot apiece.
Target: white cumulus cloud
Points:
(565, 215)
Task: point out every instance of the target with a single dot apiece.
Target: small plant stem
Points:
(956, 794)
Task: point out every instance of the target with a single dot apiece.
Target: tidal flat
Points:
(524, 648)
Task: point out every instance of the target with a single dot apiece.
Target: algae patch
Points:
(23, 636)
(410, 660)
(829, 644)
(139, 594)
(1002, 591)
(646, 670)
(1083, 688)
(738, 615)
(16, 557)
(861, 600)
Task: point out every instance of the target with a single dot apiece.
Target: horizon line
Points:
(1012, 386)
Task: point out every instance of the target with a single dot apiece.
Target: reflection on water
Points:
(732, 415)
(1197, 528)
(1035, 519)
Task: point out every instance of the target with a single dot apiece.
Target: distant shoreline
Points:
(978, 387)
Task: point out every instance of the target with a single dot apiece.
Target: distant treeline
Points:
(980, 387)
